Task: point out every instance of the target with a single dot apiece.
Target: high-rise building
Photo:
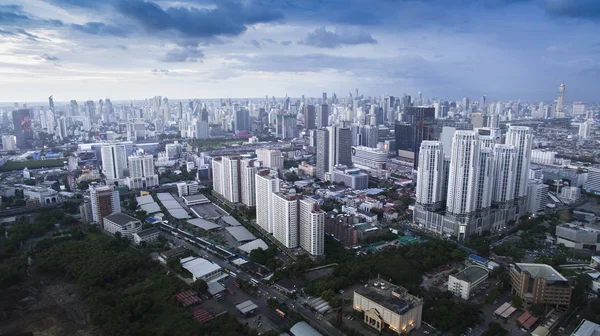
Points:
(592, 184)
(231, 178)
(322, 115)
(464, 174)
(322, 152)
(61, 128)
(560, 102)
(114, 161)
(505, 171)
(23, 128)
(242, 120)
(430, 179)
(266, 183)
(418, 124)
(141, 172)
(585, 129)
(105, 201)
(285, 218)
(340, 147)
(311, 227)
(9, 142)
(270, 158)
(248, 183)
(309, 117)
(521, 137)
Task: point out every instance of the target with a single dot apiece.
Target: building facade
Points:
(539, 283)
(126, 225)
(105, 201)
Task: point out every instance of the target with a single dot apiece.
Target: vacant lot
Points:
(31, 164)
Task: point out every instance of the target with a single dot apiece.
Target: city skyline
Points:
(133, 49)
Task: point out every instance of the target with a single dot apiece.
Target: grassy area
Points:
(31, 164)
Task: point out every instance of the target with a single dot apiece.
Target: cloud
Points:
(286, 43)
(355, 17)
(160, 71)
(227, 18)
(255, 43)
(574, 9)
(323, 38)
(189, 54)
(6, 33)
(269, 40)
(121, 46)
(101, 29)
(47, 57)
(10, 14)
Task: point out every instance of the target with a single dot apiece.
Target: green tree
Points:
(141, 215)
(537, 309)
(516, 301)
(495, 329)
(199, 286)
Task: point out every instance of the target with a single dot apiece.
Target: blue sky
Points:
(132, 49)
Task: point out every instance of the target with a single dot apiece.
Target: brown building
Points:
(342, 228)
(539, 283)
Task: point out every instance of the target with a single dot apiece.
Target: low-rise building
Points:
(579, 236)
(462, 283)
(539, 283)
(351, 177)
(387, 305)
(166, 256)
(195, 200)
(201, 268)
(122, 223)
(149, 236)
(586, 328)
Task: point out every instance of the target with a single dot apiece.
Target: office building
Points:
(141, 172)
(464, 282)
(579, 236)
(114, 161)
(270, 158)
(569, 195)
(310, 116)
(23, 126)
(560, 102)
(387, 306)
(430, 179)
(173, 150)
(311, 227)
(242, 121)
(9, 142)
(340, 146)
(350, 177)
(539, 283)
(105, 201)
(266, 184)
(322, 115)
(417, 124)
(323, 153)
(544, 157)
(592, 184)
(126, 225)
(371, 158)
(585, 129)
(285, 218)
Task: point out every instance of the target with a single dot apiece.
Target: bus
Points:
(219, 297)
(254, 281)
(280, 313)
(232, 274)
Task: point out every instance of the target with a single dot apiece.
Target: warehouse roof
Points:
(240, 233)
(199, 267)
(121, 219)
(203, 224)
(253, 245)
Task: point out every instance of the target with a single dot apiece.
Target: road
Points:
(307, 314)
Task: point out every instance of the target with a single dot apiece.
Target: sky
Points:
(446, 49)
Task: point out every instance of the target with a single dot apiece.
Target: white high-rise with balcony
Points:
(464, 173)
(141, 172)
(248, 171)
(430, 179)
(285, 218)
(266, 184)
(522, 138)
(504, 176)
(311, 227)
(270, 158)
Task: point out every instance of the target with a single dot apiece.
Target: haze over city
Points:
(133, 49)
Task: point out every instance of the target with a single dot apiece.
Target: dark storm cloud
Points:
(187, 54)
(99, 28)
(228, 18)
(323, 38)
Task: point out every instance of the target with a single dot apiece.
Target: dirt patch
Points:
(43, 307)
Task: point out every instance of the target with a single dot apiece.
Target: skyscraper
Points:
(105, 201)
(430, 179)
(560, 102)
(285, 218)
(418, 124)
(309, 117)
(23, 128)
(340, 147)
(322, 115)
(248, 182)
(311, 227)
(322, 152)
(266, 183)
(231, 178)
(521, 137)
(114, 161)
(242, 120)
(464, 174)
(141, 172)
(504, 181)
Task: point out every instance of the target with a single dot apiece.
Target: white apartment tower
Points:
(430, 179)
(141, 172)
(504, 177)
(248, 172)
(483, 200)
(311, 227)
(270, 158)
(217, 175)
(521, 137)
(114, 160)
(464, 174)
(266, 184)
(285, 218)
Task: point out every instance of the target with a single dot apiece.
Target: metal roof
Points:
(203, 224)
(240, 233)
(246, 307)
(253, 245)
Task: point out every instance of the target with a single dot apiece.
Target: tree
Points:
(495, 329)
(516, 301)
(291, 177)
(141, 215)
(199, 286)
(538, 309)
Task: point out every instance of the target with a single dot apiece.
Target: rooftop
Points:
(193, 198)
(121, 219)
(587, 328)
(240, 233)
(147, 232)
(246, 307)
(174, 252)
(203, 224)
(542, 271)
(392, 297)
(471, 274)
(581, 227)
(199, 267)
